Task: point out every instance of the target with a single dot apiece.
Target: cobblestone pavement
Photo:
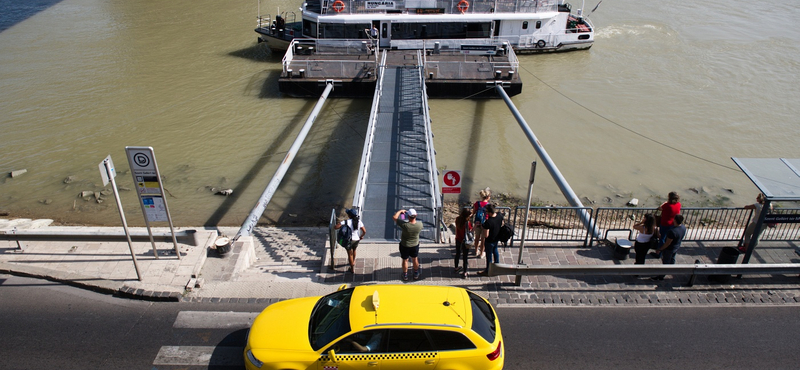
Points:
(280, 263)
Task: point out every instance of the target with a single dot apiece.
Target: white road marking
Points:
(200, 356)
(214, 320)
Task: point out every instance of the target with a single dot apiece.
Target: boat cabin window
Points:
(442, 30)
(525, 25)
(538, 24)
(309, 28)
(343, 30)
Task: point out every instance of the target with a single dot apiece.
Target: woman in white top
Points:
(647, 237)
(358, 234)
(751, 228)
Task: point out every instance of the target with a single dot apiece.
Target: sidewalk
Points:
(281, 263)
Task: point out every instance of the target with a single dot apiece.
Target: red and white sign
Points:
(452, 182)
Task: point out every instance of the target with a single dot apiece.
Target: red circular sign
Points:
(452, 178)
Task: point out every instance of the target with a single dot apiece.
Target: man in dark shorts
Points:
(491, 229)
(409, 239)
(672, 243)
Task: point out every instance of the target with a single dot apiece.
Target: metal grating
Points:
(399, 173)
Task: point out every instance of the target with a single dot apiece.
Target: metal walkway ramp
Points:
(398, 169)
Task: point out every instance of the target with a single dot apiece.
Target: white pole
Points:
(122, 216)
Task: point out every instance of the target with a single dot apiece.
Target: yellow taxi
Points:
(382, 327)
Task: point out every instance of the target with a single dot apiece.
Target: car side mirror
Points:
(332, 355)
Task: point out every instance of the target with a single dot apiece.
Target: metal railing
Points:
(366, 154)
(780, 232)
(436, 202)
(330, 7)
(702, 224)
(344, 48)
(563, 224)
(552, 224)
(332, 235)
(497, 269)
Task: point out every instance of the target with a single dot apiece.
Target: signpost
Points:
(452, 182)
(108, 173)
(150, 190)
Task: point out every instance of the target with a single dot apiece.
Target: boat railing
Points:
(352, 54)
(341, 7)
(461, 67)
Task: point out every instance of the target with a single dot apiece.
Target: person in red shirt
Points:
(669, 210)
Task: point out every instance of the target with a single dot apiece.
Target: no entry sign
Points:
(452, 182)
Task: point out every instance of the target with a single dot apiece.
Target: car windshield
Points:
(483, 319)
(330, 318)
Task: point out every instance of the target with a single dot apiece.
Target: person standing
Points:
(359, 231)
(479, 215)
(409, 240)
(646, 239)
(672, 243)
(757, 207)
(462, 226)
(669, 209)
(491, 229)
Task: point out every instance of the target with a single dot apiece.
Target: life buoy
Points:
(540, 43)
(463, 5)
(338, 6)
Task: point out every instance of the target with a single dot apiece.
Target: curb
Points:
(91, 283)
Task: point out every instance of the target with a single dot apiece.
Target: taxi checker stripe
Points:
(382, 356)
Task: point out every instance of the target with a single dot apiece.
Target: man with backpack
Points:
(351, 231)
(409, 240)
(491, 232)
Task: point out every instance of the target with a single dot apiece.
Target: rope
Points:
(628, 129)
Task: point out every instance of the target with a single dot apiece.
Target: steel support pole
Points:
(122, 217)
(266, 196)
(527, 211)
(551, 166)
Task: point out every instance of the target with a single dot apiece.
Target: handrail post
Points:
(266, 196)
(548, 162)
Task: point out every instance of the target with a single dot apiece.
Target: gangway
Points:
(398, 165)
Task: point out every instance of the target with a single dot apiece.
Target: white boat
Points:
(529, 26)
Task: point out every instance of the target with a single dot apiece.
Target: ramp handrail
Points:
(332, 235)
(436, 202)
(369, 140)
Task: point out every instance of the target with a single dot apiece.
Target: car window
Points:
(483, 317)
(369, 341)
(408, 340)
(330, 318)
(444, 340)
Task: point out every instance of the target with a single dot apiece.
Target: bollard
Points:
(728, 256)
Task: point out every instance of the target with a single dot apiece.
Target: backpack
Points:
(345, 235)
(506, 232)
(480, 213)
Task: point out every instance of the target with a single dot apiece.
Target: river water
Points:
(669, 92)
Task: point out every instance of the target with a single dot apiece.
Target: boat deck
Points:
(449, 74)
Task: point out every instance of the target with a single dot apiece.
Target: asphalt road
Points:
(48, 325)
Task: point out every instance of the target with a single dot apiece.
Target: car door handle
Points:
(430, 362)
(372, 363)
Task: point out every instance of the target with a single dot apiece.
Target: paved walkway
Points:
(281, 263)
